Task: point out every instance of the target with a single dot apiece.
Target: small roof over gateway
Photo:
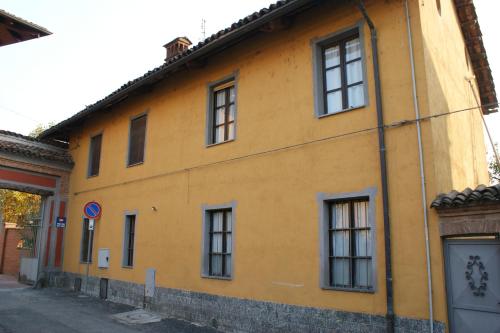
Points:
(14, 144)
(468, 197)
(14, 29)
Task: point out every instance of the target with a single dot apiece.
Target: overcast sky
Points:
(98, 45)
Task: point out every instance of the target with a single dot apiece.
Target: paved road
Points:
(26, 310)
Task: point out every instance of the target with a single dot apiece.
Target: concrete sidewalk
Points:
(8, 282)
(27, 310)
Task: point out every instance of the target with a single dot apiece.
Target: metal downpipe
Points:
(422, 173)
(383, 171)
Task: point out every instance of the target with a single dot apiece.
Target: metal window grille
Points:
(223, 113)
(343, 74)
(28, 230)
(350, 245)
(220, 247)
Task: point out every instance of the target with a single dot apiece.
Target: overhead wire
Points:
(293, 146)
(19, 114)
(495, 153)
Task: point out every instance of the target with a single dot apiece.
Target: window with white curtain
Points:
(222, 112)
(220, 243)
(343, 75)
(349, 244)
(339, 72)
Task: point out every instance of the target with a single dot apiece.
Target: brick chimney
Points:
(177, 46)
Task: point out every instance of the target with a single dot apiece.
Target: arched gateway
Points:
(30, 165)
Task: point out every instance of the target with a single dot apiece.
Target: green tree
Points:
(495, 168)
(40, 128)
(23, 209)
(18, 207)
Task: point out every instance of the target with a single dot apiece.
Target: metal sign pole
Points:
(91, 236)
(91, 210)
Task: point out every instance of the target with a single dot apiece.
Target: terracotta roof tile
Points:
(158, 73)
(25, 146)
(223, 38)
(474, 42)
(481, 194)
(13, 17)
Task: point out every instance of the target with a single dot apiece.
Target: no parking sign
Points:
(92, 210)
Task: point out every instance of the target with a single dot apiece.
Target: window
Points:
(222, 112)
(347, 222)
(218, 242)
(137, 140)
(94, 155)
(349, 245)
(340, 73)
(128, 250)
(85, 255)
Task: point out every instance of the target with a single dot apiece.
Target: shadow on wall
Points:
(458, 163)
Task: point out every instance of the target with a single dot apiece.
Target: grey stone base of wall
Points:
(230, 314)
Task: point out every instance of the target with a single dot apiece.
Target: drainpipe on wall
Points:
(383, 171)
(422, 171)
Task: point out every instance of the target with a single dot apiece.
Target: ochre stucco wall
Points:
(276, 237)
(457, 139)
(454, 144)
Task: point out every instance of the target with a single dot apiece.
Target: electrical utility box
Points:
(103, 258)
(149, 290)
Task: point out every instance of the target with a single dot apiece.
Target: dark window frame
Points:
(344, 86)
(206, 211)
(352, 257)
(131, 163)
(210, 128)
(227, 110)
(92, 158)
(86, 233)
(318, 46)
(129, 240)
(225, 273)
(323, 200)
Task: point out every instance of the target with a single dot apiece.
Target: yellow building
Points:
(268, 179)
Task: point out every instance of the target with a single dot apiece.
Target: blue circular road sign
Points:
(92, 210)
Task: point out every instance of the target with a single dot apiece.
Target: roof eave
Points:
(225, 41)
(472, 34)
(41, 30)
